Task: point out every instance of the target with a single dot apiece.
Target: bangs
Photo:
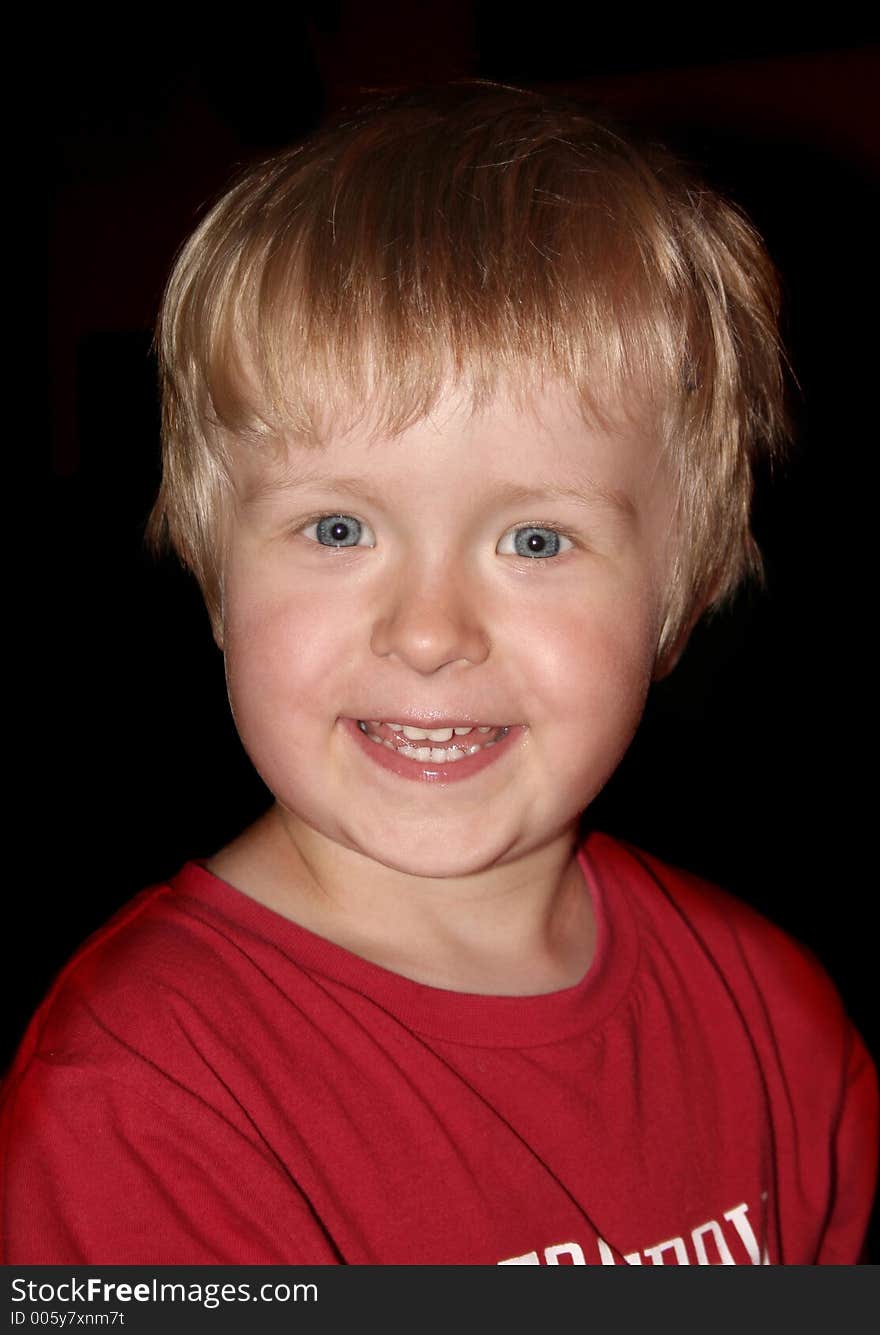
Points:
(439, 247)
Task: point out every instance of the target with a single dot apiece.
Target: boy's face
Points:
(502, 571)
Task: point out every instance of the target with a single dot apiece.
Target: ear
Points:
(216, 618)
(669, 658)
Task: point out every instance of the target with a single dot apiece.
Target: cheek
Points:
(591, 677)
(283, 649)
(597, 658)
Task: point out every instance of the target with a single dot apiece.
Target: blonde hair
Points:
(473, 234)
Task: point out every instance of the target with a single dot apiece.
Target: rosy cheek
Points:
(603, 648)
(282, 645)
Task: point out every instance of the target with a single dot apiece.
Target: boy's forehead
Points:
(538, 435)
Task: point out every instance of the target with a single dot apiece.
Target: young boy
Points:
(461, 403)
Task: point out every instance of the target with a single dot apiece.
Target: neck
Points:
(521, 926)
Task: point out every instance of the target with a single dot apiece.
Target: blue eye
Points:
(533, 541)
(340, 531)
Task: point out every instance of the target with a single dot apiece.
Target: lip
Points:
(426, 721)
(422, 771)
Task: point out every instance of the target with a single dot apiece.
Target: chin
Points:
(436, 867)
(439, 863)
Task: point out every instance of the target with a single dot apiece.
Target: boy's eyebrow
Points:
(586, 492)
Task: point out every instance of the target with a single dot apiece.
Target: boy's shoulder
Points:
(125, 977)
(143, 1012)
(770, 976)
(669, 897)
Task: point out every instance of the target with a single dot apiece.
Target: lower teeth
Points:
(437, 755)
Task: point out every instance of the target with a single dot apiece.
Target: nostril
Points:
(428, 639)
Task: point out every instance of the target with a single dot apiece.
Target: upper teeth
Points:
(429, 734)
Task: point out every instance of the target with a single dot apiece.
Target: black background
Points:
(754, 764)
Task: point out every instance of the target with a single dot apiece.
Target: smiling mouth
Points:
(437, 746)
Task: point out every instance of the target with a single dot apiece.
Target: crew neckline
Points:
(474, 1019)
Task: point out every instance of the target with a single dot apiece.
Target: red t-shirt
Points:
(208, 1082)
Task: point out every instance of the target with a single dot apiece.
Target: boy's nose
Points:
(429, 622)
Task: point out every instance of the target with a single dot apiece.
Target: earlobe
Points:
(217, 615)
(668, 657)
(667, 661)
(216, 619)
(668, 651)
